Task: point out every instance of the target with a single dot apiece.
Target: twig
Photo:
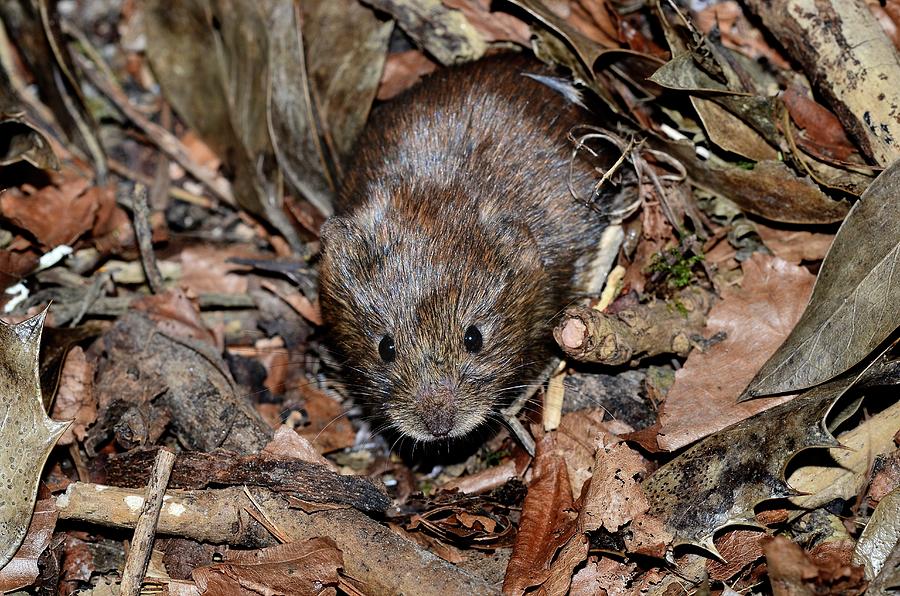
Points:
(175, 192)
(659, 327)
(145, 530)
(166, 141)
(144, 235)
(386, 562)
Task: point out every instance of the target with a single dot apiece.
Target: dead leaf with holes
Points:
(27, 434)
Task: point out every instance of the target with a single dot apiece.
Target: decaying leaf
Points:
(719, 481)
(319, 98)
(769, 189)
(445, 33)
(753, 318)
(880, 536)
(42, 48)
(23, 570)
(847, 475)
(27, 434)
(302, 568)
(23, 140)
(855, 304)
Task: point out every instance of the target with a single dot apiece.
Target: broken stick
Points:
(659, 327)
(145, 529)
(386, 562)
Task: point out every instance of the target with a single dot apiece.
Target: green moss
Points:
(675, 267)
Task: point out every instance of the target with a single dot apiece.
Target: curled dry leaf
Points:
(546, 523)
(24, 140)
(880, 536)
(754, 318)
(795, 246)
(22, 570)
(37, 210)
(855, 304)
(769, 189)
(493, 26)
(402, 70)
(443, 32)
(26, 432)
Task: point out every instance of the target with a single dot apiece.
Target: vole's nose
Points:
(436, 406)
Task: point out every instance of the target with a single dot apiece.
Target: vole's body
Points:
(456, 215)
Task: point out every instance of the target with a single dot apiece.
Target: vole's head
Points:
(438, 320)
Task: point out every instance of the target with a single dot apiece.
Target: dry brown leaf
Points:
(288, 444)
(756, 318)
(795, 572)
(37, 210)
(301, 568)
(795, 246)
(737, 32)
(822, 134)
(577, 437)
(493, 26)
(485, 480)
(74, 398)
(328, 429)
(22, 570)
(615, 497)
(547, 521)
(738, 548)
(402, 70)
(605, 575)
(204, 268)
(176, 315)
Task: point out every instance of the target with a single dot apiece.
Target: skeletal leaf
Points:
(855, 304)
(719, 481)
(27, 434)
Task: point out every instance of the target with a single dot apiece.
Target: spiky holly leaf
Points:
(27, 434)
(720, 480)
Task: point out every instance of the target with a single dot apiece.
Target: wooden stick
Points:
(145, 530)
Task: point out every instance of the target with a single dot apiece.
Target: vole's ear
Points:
(521, 245)
(341, 235)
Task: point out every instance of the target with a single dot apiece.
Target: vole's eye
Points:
(387, 350)
(472, 339)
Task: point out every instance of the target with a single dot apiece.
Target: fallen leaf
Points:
(795, 246)
(823, 135)
(769, 189)
(445, 34)
(739, 549)
(755, 318)
(22, 571)
(847, 475)
(74, 398)
(546, 524)
(718, 481)
(37, 210)
(205, 268)
(288, 444)
(880, 536)
(402, 70)
(855, 304)
(24, 141)
(25, 429)
(493, 26)
(301, 568)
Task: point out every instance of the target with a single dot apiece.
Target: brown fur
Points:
(456, 212)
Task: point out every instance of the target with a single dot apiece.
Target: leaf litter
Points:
(240, 119)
